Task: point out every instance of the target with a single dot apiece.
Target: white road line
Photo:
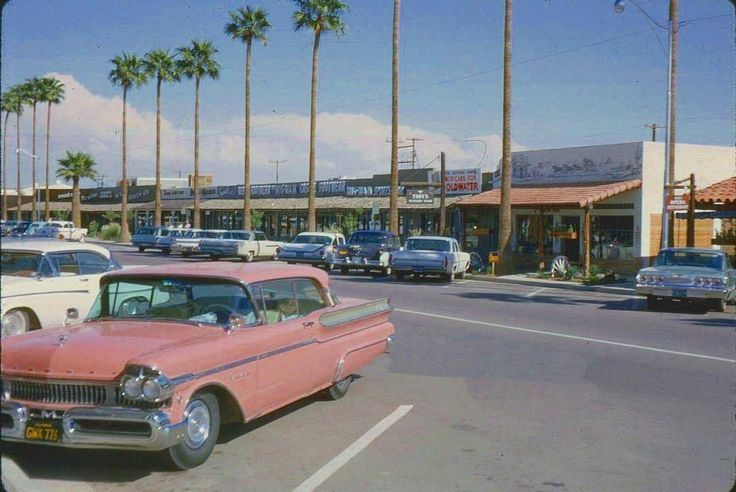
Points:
(351, 451)
(571, 337)
(532, 294)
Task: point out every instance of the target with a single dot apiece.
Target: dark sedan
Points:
(367, 251)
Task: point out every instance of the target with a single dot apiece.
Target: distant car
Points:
(33, 228)
(314, 248)
(430, 255)
(41, 280)
(62, 229)
(169, 354)
(20, 228)
(688, 274)
(367, 250)
(164, 243)
(7, 226)
(187, 244)
(146, 237)
(246, 245)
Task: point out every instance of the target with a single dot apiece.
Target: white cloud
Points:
(352, 145)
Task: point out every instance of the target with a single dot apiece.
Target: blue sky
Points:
(582, 76)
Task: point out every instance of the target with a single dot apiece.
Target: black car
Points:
(367, 251)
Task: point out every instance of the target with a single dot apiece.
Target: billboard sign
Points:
(420, 196)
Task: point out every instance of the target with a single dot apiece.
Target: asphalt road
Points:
(489, 387)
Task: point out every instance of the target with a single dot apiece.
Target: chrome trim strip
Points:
(49, 292)
(339, 317)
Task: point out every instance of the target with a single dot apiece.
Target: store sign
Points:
(324, 188)
(461, 181)
(420, 196)
(677, 202)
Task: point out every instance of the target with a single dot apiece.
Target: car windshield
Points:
(689, 259)
(428, 244)
(21, 263)
(312, 239)
(34, 227)
(193, 300)
(367, 238)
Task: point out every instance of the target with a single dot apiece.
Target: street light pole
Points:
(35, 196)
(485, 149)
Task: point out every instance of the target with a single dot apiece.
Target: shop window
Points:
(612, 237)
(529, 228)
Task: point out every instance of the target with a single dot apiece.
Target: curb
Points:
(554, 285)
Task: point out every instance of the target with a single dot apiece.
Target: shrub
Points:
(416, 232)
(110, 232)
(93, 228)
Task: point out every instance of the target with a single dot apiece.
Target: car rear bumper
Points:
(676, 293)
(432, 269)
(100, 427)
(359, 262)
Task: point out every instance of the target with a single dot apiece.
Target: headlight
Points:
(143, 383)
(699, 281)
(151, 389)
(660, 279)
(131, 387)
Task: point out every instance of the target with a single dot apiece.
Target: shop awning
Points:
(722, 193)
(578, 196)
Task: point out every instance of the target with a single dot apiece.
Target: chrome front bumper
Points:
(359, 262)
(155, 432)
(691, 293)
(218, 251)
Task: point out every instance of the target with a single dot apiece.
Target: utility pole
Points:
(654, 128)
(101, 180)
(672, 138)
(277, 162)
(504, 238)
(413, 157)
(442, 194)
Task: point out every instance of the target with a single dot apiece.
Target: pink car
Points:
(168, 354)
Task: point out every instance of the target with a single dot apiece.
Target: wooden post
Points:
(691, 214)
(442, 194)
(586, 239)
(540, 240)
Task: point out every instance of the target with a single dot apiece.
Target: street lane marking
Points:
(351, 451)
(571, 337)
(532, 294)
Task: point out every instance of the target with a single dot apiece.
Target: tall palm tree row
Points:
(196, 62)
(160, 64)
(127, 72)
(8, 103)
(318, 16)
(32, 95)
(246, 25)
(73, 167)
(52, 92)
(14, 100)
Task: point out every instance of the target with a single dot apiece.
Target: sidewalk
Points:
(622, 288)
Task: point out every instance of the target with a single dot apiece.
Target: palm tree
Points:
(127, 72)
(8, 103)
(394, 198)
(247, 24)
(162, 65)
(73, 167)
(197, 61)
(504, 240)
(52, 92)
(32, 91)
(13, 103)
(318, 16)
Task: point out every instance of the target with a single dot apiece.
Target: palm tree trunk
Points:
(124, 232)
(504, 239)
(246, 164)
(18, 200)
(196, 153)
(5, 167)
(157, 197)
(47, 198)
(33, 167)
(675, 30)
(76, 203)
(394, 198)
(311, 202)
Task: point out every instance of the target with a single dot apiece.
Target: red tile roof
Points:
(573, 195)
(722, 191)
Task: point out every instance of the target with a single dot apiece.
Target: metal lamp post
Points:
(37, 190)
(618, 7)
(485, 149)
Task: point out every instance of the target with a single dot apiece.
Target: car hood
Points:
(670, 271)
(100, 350)
(304, 247)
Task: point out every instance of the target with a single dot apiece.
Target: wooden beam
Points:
(586, 239)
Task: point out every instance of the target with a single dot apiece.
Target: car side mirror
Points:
(234, 322)
(72, 314)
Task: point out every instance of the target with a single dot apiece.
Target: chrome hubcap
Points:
(198, 423)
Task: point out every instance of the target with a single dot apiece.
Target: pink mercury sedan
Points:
(168, 354)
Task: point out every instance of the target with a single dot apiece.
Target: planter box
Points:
(565, 234)
(724, 241)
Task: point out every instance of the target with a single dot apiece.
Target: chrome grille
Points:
(47, 392)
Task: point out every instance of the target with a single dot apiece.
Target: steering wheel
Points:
(222, 311)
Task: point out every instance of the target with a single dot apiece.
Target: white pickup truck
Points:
(434, 255)
(246, 245)
(62, 229)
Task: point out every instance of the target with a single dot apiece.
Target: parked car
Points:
(314, 248)
(20, 228)
(164, 243)
(434, 255)
(7, 226)
(187, 244)
(367, 250)
(168, 354)
(688, 274)
(42, 279)
(145, 237)
(33, 228)
(62, 229)
(246, 245)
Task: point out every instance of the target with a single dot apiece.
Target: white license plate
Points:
(679, 293)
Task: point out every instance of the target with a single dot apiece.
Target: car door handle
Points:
(84, 280)
(308, 323)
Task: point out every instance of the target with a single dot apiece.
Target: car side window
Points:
(278, 300)
(65, 263)
(308, 296)
(260, 236)
(92, 263)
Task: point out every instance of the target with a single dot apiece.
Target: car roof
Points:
(245, 272)
(694, 250)
(328, 234)
(443, 238)
(50, 246)
(376, 233)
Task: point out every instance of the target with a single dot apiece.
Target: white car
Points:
(187, 244)
(315, 248)
(246, 245)
(433, 255)
(62, 229)
(42, 280)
